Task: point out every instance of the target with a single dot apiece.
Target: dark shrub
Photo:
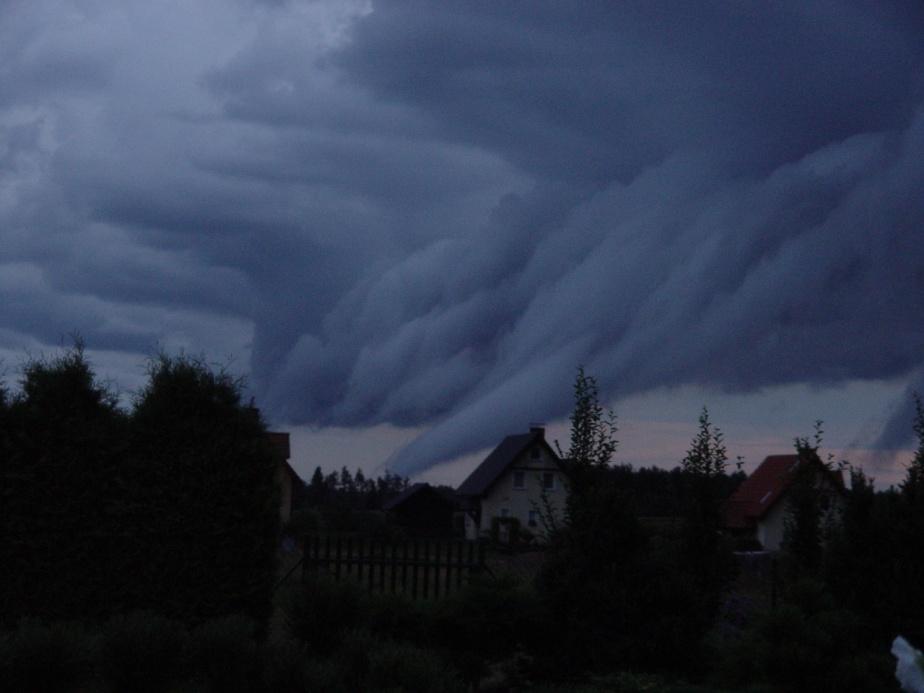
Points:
(488, 621)
(319, 611)
(808, 643)
(397, 617)
(289, 668)
(223, 652)
(505, 531)
(142, 652)
(60, 494)
(205, 473)
(37, 657)
(368, 663)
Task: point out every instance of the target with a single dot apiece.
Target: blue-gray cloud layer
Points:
(430, 213)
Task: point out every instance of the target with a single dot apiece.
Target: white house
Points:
(510, 483)
(756, 511)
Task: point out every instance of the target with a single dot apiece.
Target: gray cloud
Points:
(429, 214)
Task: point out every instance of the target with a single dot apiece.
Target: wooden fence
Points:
(417, 568)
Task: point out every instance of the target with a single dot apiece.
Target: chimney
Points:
(538, 428)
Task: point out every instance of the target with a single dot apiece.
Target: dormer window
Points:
(519, 479)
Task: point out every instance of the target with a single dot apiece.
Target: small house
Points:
(521, 479)
(423, 510)
(756, 512)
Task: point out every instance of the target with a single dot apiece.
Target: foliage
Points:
(348, 492)
(61, 479)
(506, 530)
(706, 555)
(142, 652)
(593, 441)
(172, 508)
(808, 501)
(224, 652)
(289, 668)
(368, 663)
(913, 485)
(40, 657)
(488, 621)
(656, 492)
(704, 466)
(208, 508)
(707, 454)
(320, 611)
(808, 644)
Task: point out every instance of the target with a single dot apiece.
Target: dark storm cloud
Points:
(428, 214)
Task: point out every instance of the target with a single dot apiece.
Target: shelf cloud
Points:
(428, 214)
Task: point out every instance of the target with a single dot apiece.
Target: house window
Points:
(534, 453)
(533, 518)
(505, 512)
(519, 479)
(548, 481)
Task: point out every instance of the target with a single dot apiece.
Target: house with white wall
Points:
(511, 483)
(756, 512)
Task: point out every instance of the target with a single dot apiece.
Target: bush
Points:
(38, 657)
(505, 531)
(205, 477)
(488, 621)
(223, 654)
(368, 663)
(319, 611)
(289, 668)
(142, 652)
(807, 644)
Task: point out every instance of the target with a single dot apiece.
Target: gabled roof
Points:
(759, 492)
(486, 473)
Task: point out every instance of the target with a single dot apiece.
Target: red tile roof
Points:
(760, 491)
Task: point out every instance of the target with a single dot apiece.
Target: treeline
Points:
(657, 492)
(170, 506)
(354, 491)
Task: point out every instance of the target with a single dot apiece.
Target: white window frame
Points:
(533, 520)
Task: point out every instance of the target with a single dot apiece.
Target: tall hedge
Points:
(63, 439)
(208, 501)
(172, 507)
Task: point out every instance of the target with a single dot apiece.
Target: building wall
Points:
(771, 528)
(520, 501)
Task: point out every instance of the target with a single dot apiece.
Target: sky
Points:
(408, 223)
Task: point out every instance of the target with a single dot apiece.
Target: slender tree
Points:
(913, 485)
(807, 501)
(704, 466)
(592, 444)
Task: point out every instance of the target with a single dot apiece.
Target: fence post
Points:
(436, 575)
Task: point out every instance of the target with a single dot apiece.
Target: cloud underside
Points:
(419, 215)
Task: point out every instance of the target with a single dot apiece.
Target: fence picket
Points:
(436, 567)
